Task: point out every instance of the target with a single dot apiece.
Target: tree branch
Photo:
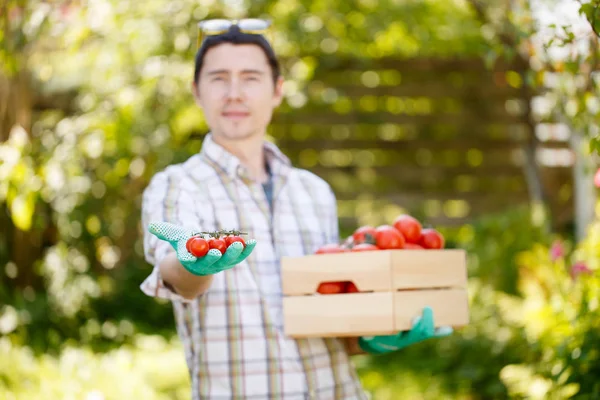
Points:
(505, 38)
(537, 190)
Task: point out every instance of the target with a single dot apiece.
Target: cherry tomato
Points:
(364, 234)
(330, 248)
(412, 246)
(351, 288)
(189, 241)
(187, 244)
(364, 247)
(331, 287)
(431, 239)
(388, 237)
(218, 244)
(198, 246)
(409, 227)
(230, 239)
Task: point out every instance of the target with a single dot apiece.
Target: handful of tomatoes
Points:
(405, 233)
(199, 245)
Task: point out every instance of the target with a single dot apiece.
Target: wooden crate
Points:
(394, 287)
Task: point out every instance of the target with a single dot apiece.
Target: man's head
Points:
(238, 84)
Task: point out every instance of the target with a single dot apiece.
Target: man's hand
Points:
(209, 264)
(423, 328)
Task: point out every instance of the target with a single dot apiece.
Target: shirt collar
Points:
(279, 163)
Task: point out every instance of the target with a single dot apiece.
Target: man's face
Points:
(236, 91)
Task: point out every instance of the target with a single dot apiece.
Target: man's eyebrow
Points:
(245, 71)
(218, 72)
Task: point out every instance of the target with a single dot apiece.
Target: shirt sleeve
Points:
(164, 200)
(334, 229)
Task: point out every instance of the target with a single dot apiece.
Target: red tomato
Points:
(331, 287)
(187, 244)
(364, 233)
(218, 244)
(409, 227)
(431, 239)
(230, 239)
(351, 288)
(198, 246)
(388, 237)
(412, 246)
(330, 248)
(364, 247)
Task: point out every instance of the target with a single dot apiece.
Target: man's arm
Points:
(179, 280)
(166, 200)
(352, 346)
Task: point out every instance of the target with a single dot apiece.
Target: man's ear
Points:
(196, 93)
(278, 93)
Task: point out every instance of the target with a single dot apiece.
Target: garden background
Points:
(478, 117)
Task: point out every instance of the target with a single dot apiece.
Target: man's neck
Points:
(250, 153)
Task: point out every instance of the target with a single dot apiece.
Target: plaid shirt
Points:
(233, 336)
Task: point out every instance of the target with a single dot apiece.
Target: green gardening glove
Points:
(209, 264)
(423, 328)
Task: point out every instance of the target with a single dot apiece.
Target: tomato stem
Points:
(370, 239)
(220, 233)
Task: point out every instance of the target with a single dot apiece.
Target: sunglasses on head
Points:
(211, 27)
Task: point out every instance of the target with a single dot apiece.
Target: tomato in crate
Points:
(351, 288)
(409, 227)
(431, 239)
(331, 287)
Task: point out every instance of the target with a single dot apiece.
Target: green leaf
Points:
(595, 145)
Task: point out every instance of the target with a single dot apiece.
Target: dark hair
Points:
(235, 36)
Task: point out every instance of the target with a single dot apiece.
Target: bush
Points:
(559, 315)
(151, 369)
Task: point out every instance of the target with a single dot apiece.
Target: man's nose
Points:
(235, 89)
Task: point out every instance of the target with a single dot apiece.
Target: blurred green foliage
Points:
(558, 44)
(151, 368)
(71, 175)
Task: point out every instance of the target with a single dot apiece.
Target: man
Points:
(228, 308)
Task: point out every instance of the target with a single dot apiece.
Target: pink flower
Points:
(557, 250)
(579, 268)
(597, 178)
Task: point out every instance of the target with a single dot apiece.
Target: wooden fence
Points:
(446, 140)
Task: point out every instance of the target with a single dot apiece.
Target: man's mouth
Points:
(235, 115)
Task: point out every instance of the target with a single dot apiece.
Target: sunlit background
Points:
(478, 117)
